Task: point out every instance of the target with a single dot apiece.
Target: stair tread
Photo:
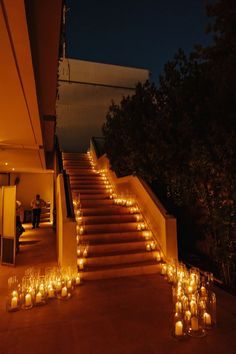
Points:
(118, 253)
(94, 268)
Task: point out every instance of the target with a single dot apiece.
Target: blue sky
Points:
(139, 33)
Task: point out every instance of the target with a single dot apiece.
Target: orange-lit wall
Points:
(31, 184)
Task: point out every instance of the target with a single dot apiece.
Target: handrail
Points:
(69, 202)
(58, 155)
(97, 146)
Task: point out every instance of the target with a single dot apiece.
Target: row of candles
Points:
(128, 201)
(193, 298)
(39, 286)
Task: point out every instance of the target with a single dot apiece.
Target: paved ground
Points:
(119, 316)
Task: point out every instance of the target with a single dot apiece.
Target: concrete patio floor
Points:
(130, 315)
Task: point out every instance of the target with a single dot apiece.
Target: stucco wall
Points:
(86, 90)
(31, 184)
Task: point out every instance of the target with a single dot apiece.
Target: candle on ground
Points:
(14, 302)
(194, 323)
(179, 328)
(207, 318)
(28, 300)
(38, 297)
(64, 291)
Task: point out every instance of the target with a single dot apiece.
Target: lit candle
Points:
(178, 306)
(77, 280)
(58, 286)
(64, 291)
(207, 318)
(81, 264)
(85, 253)
(158, 256)
(50, 292)
(14, 302)
(163, 269)
(179, 328)
(193, 306)
(14, 293)
(190, 289)
(28, 300)
(148, 247)
(153, 245)
(187, 316)
(194, 323)
(69, 283)
(203, 291)
(38, 297)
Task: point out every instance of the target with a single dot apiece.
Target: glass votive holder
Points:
(27, 299)
(196, 326)
(179, 328)
(13, 298)
(13, 301)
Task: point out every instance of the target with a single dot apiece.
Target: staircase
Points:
(116, 247)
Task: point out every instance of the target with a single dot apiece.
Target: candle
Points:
(28, 300)
(153, 245)
(77, 280)
(69, 283)
(178, 306)
(203, 291)
(148, 247)
(85, 253)
(58, 285)
(158, 256)
(14, 293)
(38, 297)
(14, 302)
(187, 316)
(179, 328)
(207, 318)
(193, 306)
(64, 291)
(81, 264)
(50, 292)
(190, 289)
(194, 323)
(163, 269)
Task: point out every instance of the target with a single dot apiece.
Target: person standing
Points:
(37, 204)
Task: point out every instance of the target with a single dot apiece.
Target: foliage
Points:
(182, 134)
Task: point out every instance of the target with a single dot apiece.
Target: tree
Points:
(182, 135)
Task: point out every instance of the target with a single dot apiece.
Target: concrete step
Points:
(115, 259)
(97, 203)
(80, 171)
(125, 270)
(115, 237)
(92, 196)
(95, 177)
(107, 219)
(111, 248)
(86, 189)
(109, 210)
(118, 227)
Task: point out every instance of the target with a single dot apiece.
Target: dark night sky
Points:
(139, 33)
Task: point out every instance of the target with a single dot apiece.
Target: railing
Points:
(98, 143)
(162, 225)
(66, 179)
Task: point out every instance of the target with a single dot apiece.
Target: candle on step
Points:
(38, 297)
